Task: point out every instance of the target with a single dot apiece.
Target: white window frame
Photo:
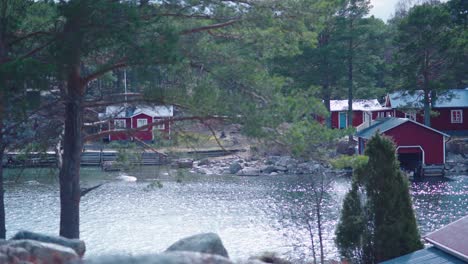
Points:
(161, 126)
(380, 114)
(118, 124)
(142, 122)
(389, 114)
(411, 116)
(458, 118)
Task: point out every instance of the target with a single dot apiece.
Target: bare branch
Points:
(205, 28)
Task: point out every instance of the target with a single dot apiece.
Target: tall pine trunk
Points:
(3, 88)
(350, 78)
(70, 192)
(2, 194)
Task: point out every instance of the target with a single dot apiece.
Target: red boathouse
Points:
(418, 146)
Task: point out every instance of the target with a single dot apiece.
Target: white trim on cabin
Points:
(144, 122)
(120, 127)
(415, 146)
(458, 118)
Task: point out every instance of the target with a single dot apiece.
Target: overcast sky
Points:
(383, 9)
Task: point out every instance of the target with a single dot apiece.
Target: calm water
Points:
(251, 214)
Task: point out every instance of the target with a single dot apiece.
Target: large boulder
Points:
(250, 171)
(77, 245)
(175, 257)
(235, 167)
(13, 254)
(209, 243)
(44, 253)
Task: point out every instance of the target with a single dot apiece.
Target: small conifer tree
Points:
(390, 228)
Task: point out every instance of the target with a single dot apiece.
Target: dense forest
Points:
(257, 63)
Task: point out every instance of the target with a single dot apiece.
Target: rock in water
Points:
(127, 178)
(235, 167)
(77, 245)
(164, 258)
(209, 243)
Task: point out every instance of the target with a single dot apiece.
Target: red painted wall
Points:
(119, 136)
(146, 134)
(357, 118)
(443, 120)
(410, 134)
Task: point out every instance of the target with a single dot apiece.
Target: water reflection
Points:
(439, 202)
(251, 214)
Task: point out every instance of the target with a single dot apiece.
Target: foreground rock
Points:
(174, 257)
(30, 251)
(209, 243)
(77, 245)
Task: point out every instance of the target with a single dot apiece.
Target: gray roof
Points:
(358, 105)
(452, 98)
(452, 238)
(388, 123)
(407, 99)
(414, 99)
(122, 111)
(430, 255)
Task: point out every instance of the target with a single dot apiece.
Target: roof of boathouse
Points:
(449, 246)
(122, 111)
(385, 124)
(358, 105)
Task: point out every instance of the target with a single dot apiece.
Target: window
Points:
(120, 124)
(142, 122)
(411, 116)
(456, 116)
(389, 114)
(380, 114)
(159, 126)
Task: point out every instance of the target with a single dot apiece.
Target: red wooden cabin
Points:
(364, 111)
(450, 108)
(124, 118)
(417, 144)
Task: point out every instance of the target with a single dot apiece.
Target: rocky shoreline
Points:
(284, 165)
(33, 248)
(268, 166)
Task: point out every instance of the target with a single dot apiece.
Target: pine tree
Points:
(349, 236)
(391, 228)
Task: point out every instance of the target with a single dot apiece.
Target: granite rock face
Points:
(25, 251)
(209, 243)
(174, 257)
(77, 245)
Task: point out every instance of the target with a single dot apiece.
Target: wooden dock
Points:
(102, 157)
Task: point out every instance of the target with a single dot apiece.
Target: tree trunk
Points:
(70, 192)
(3, 88)
(350, 81)
(426, 89)
(2, 192)
(326, 100)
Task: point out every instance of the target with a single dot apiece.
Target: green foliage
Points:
(388, 216)
(351, 226)
(354, 162)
